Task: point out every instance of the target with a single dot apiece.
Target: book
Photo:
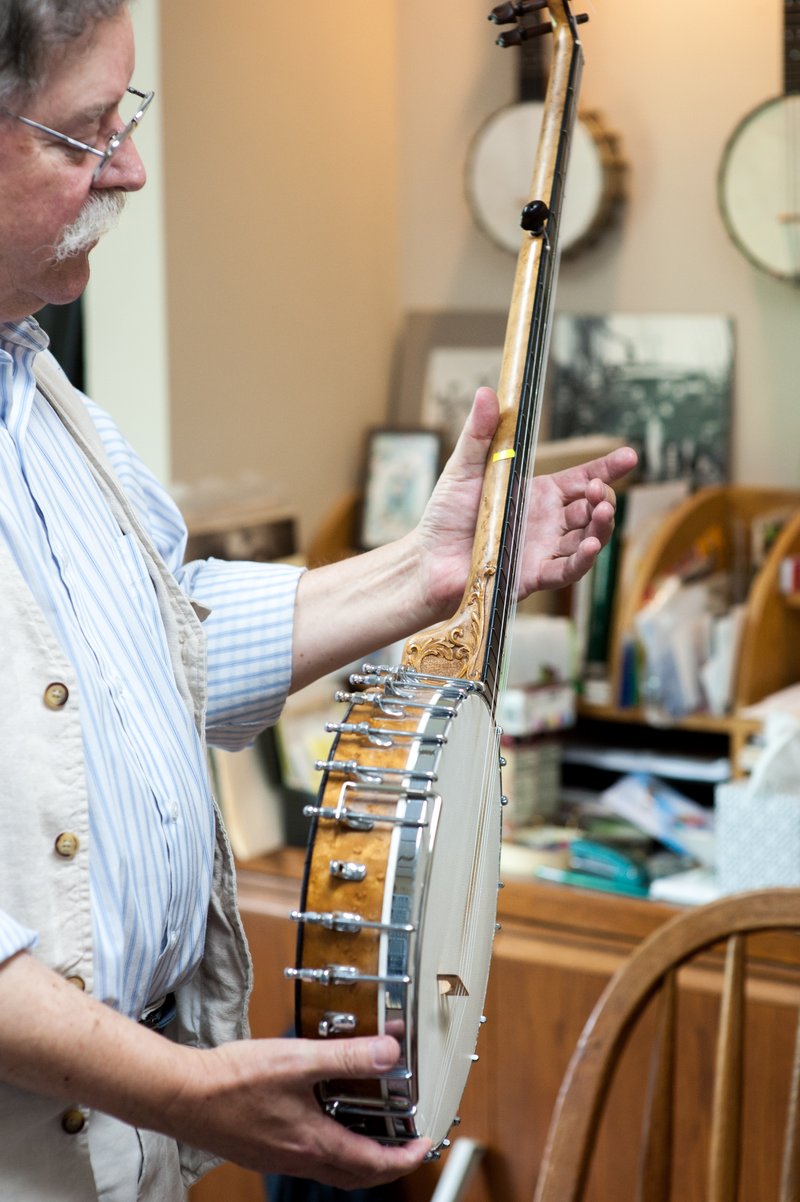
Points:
(603, 585)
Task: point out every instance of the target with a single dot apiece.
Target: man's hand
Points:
(254, 1103)
(570, 514)
(352, 608)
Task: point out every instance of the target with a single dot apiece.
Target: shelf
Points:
(723, 724)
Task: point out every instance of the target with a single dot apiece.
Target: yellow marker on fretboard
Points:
(508, 453)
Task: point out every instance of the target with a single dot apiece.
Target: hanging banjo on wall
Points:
(496, 171)
(759, 176)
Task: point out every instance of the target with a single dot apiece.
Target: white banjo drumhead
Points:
(759, 186)
(499, 176)
(458, 909)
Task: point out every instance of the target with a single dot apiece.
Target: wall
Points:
(281, 210)
(126, 306)
(314, 192)
(673, 83)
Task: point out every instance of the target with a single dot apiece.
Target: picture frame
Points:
(444, 356)
(254, 530)
(662, 381)
(400, 470)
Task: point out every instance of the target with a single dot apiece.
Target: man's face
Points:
(44, 185)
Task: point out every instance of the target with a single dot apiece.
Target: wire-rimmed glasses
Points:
(114, 142)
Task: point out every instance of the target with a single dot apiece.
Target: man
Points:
(112, 897)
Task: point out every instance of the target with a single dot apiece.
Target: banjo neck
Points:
(471, 645)
(791, 48)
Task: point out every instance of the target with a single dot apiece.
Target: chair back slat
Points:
(790, 1172)
(655, 1177)
(727, 1104)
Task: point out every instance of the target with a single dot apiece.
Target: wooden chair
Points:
(651, 976)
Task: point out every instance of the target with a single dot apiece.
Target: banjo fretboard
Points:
(791, 47)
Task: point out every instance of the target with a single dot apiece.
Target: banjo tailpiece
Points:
(397, 915)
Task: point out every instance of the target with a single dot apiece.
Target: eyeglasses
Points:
(114, 142)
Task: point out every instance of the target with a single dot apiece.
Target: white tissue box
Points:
(757, 837)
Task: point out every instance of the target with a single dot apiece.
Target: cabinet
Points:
(555, 952)
(769, 655)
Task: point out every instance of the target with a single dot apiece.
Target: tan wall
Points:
(314, 191)
(281, 248)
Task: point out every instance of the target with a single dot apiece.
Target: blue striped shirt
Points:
(150, 811)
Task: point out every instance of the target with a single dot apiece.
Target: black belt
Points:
(160, 1015)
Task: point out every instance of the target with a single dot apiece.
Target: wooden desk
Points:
(553, 956)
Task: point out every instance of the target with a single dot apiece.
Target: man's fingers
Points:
(363, 1057)
(607, 470)
(352, 1159)
(613, 466)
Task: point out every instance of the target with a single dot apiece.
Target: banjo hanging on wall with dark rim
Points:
(399, 897)
(759, 177)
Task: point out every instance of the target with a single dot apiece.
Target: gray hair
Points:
(31, 31)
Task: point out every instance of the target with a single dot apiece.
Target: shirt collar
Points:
(27, 334)
(20, 343)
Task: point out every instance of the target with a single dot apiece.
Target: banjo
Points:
(496, 170)
(758, 185)
(399, 896)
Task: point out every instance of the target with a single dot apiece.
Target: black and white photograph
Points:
(663, 382)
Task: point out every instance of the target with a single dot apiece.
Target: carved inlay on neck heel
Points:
(455, 648)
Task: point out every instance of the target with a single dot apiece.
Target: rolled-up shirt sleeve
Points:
(14, 937)
(249, 634)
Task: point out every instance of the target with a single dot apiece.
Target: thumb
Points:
(368, 1056)
(477, 433)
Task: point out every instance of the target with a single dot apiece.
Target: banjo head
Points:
(498, 176)
(758, 187)
(405, 850)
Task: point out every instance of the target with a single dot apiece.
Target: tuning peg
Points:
(581, 18)
(507, 14)
(523, 33)
(535, 216)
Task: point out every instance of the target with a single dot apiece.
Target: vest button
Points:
(67, 845)
(73, 1121)
(55, 695)
(78, 982)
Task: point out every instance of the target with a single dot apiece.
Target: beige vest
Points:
(42, 797)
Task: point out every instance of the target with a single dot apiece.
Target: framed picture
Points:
(444, 356)
(663, 382)
(401, 469)
(229, 520)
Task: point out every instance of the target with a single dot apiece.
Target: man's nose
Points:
(125, 171)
